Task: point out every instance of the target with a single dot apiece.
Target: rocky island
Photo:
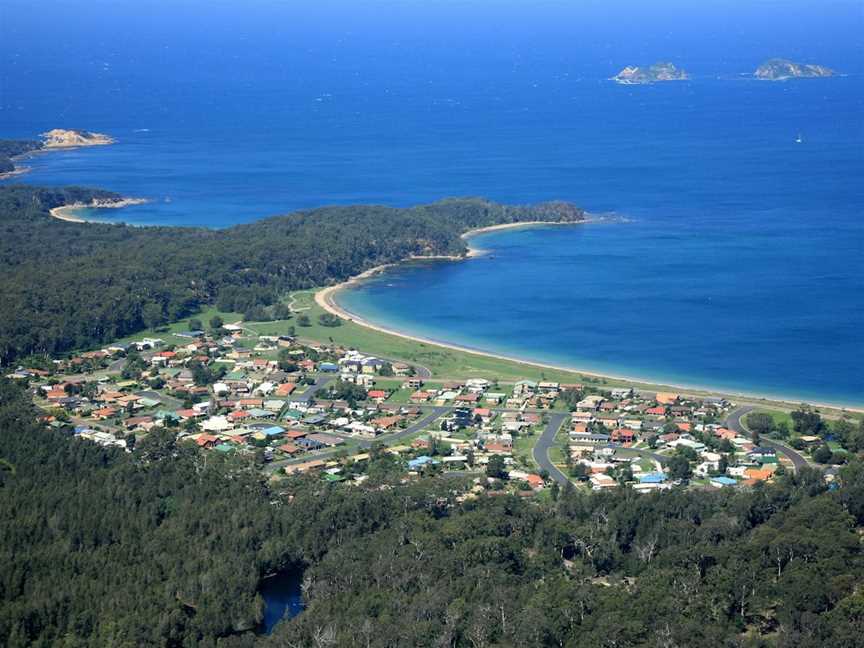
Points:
(56, 138)
(60, 138)
(778, 69)
(634, 75)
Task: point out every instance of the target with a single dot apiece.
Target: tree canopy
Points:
(167, 547)
(69, 285)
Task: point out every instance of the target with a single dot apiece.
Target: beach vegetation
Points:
(329, 320)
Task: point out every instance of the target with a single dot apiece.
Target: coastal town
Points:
(431, 325)
(304, 408)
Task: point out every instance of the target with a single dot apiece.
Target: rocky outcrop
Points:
(778, 69)
(60, 138)
(633, 75)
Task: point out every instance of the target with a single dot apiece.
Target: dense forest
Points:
(13, 148)
(66, 285)
(166, 547)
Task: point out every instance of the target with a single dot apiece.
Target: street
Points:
(734, 423)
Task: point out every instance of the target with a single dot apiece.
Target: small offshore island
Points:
(778, 69)
(635, 75)
(56, 138)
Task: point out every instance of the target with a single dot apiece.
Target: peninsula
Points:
(61, 138)
(778, 69)
(57, 138)
(635, 75)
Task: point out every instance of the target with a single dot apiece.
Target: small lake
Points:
(282, 599)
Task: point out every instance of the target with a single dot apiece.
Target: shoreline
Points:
(17, 171)
(67, 213)
(325, 298)
(100, 140)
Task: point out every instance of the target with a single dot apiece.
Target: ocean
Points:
(735, 259)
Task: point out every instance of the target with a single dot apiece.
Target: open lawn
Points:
(398, 396)
(523, 445)
(779, 416)
(167, 332)
(442, 362)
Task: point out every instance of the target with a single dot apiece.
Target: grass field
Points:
(778, 416)
(523, 447)
(442, 362)
(167, 332)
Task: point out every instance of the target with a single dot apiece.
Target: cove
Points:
(283, 599)
(724, 301)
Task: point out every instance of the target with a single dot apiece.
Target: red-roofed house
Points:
(386, 422)
(104, 413)
(484, 413)
(535, 481)
(377, 395)
(723, 433)
(622, 435)
(497, 447)
(285, 389)
(289, 448)
(205, 440)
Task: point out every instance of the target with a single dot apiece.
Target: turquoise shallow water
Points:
(643, 300)
(740, 264)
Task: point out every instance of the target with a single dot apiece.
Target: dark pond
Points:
(282, 599)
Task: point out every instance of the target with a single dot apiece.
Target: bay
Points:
(738, 263)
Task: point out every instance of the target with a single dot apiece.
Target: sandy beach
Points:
(325, 298)
(11, 174)
(67, 212)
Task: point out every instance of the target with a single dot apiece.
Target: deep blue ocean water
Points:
(740, 264)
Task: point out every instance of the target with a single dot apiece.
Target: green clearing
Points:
(647, 465)
(779, 416)
(442, 362)
(556, 455)
(836, 447)
(167, 332)
(523, 447)
(398, 396)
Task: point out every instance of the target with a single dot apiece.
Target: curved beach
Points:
(68, 212)
(326, 299)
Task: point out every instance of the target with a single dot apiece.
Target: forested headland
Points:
(67, 286)
(10, 149)
(166, 547)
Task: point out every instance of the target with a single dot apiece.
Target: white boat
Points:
(799, 139)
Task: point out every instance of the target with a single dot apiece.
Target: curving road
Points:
(546, 441)
(734, 423)
(320, 383)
